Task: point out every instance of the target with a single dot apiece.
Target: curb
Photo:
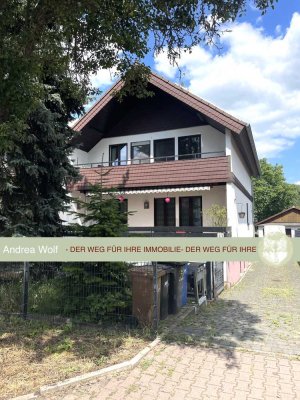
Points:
(90, 375)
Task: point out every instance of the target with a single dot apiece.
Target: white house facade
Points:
(170, 156)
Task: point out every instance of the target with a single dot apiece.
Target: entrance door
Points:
(164, 213)
(190, 211)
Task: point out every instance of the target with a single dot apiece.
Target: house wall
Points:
(237, 202)
(142, 217)
(239, 168)
(271, 228)
(211, 141)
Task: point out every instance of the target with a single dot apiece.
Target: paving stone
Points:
(245, 320)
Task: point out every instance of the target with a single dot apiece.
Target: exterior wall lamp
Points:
(241, 212)
(146, 204)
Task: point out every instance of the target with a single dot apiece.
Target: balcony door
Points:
(118, 154)
(164, 150)
(190, 211)
(164, 213)
(189, 147)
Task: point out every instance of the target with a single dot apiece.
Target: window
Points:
(189, 147)
(140, 152)
(164, 213)
(190, 211)
(118, 154)
(164, 150)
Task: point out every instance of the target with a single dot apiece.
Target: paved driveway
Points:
(249, 349)
(261, 313)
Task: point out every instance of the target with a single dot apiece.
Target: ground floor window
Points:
(190, 211)
(164, 213)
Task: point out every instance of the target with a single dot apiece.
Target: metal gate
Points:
(218, 271)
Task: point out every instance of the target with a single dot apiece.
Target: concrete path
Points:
(244, 346)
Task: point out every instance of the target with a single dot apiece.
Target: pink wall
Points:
(235, 270)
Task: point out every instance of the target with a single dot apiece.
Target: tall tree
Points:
(36, 169)
(79, 37)
(74, 39)
(272, 193)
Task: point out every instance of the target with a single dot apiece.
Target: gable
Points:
(172, 107)
(289, 216)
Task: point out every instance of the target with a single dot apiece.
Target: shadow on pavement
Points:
(223, 326)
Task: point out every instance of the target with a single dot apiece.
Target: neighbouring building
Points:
(286, 221)
(171, 157)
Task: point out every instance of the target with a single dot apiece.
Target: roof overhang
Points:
(213, 115)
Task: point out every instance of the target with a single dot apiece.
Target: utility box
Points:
(197, 280)
(142, 285)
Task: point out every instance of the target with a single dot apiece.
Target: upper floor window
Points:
(189, 147)
(164, 150)
(140, 152)
(118, 154)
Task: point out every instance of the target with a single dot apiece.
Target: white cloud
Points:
(297, 183)
(278, 29)
(259, 20)
(255, 78)
(103, 78)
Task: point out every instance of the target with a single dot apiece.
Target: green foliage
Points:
(46, 298)
(36, 169)
(77, 39)
(217, 215)
(297, 188)
(93, 291)
(272, 193)
(48, 53)
(103, 215)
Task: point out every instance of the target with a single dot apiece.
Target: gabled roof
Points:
(214, 115)
(274, 218)
(208, 109)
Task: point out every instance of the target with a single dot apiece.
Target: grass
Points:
(34, 353)
(281, 292)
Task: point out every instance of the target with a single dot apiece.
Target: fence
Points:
(84, 292)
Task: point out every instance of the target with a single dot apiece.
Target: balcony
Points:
(163, 172)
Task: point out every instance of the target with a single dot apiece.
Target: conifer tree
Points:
(36, 170)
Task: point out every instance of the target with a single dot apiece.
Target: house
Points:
(171, 156)
(286, 221)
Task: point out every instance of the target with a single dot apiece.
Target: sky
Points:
(254, 74)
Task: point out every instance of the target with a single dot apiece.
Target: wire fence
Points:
(133, 294)
(84, 292)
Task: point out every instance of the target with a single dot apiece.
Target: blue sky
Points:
(255, 76)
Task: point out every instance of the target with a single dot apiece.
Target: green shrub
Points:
(11, 296)
(94, 291)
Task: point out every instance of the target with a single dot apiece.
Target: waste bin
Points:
(143, 293)
(173, 288)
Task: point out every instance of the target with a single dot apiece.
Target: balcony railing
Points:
(179, 231)
(149, 160)
(166, 231)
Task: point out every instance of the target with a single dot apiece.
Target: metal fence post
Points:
(155, 299)
(25, 290)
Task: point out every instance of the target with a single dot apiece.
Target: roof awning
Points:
(165, 190)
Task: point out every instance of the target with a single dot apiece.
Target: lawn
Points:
(34, 353)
